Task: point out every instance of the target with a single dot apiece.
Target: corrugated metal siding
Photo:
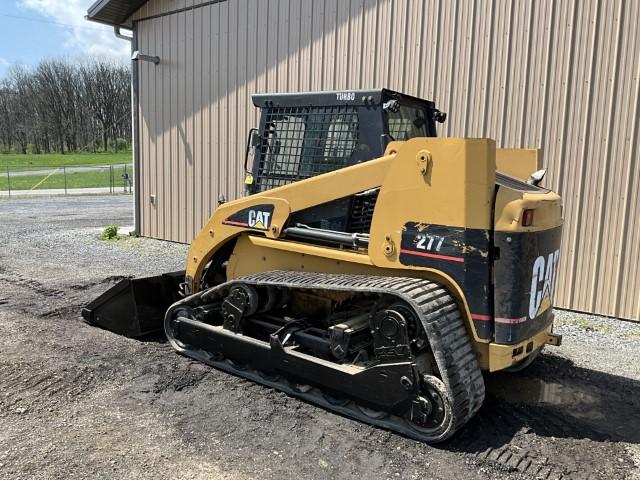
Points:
(560, 75)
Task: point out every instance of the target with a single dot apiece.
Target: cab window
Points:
(407, 122)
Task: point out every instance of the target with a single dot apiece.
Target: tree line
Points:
(65, 106)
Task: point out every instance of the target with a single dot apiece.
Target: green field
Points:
(17, 162)
(96, 178)
(48, 171)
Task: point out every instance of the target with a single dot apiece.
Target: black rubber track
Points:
(437, 310)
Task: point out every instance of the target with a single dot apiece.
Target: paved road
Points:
(47, 171)
(60, 191)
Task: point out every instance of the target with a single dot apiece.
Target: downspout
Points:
(135, 135)
(134, 126)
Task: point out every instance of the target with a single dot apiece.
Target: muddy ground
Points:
(80, 402)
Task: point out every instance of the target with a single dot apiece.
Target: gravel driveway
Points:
(80, 402)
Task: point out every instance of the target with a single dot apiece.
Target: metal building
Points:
(560, 75)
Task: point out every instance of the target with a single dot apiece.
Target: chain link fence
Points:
(67, 180)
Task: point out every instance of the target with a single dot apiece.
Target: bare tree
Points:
(65, 106)
(103, 93)
(23, 116)
(7, 95)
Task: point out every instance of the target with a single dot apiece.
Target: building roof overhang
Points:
(114, 12)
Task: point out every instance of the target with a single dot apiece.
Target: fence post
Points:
(64, 171)
(124, 178)
(9, 180)
(110, 178)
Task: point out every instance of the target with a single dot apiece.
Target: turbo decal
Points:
(345, 96)
(257, 217)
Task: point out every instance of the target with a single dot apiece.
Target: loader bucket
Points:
(135, 307)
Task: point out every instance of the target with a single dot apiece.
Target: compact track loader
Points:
(372, 269)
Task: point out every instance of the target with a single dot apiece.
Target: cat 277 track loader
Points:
(372, 269)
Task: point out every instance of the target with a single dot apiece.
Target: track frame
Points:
(385, 394)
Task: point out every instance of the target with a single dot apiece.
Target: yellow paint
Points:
(456, 191)
(518, 162)
(510, 205)
(253, 254)
(545, 304)
(288, 198)
(500, 357)
(306, 249)
(445, 181)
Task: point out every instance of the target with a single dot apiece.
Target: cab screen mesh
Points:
(301, 142)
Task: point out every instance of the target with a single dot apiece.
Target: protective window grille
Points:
(301, 142)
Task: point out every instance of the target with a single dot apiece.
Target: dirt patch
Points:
(80, 402)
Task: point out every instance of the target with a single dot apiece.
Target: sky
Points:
(32, 30)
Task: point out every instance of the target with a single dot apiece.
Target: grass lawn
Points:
(93, 178)
(17, 162)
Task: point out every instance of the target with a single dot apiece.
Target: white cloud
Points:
(4, 65)
(82, 37)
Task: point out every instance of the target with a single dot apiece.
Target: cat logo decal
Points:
(543, 279)
(259, 219)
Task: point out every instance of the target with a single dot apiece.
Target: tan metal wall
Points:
(562, 75)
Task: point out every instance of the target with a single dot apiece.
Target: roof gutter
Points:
(119, 34)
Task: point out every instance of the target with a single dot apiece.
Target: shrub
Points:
(110, 232)
(122, 144)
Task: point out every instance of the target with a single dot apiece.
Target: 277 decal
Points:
(429, 242)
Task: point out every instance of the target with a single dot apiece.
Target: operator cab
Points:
(306, 134)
